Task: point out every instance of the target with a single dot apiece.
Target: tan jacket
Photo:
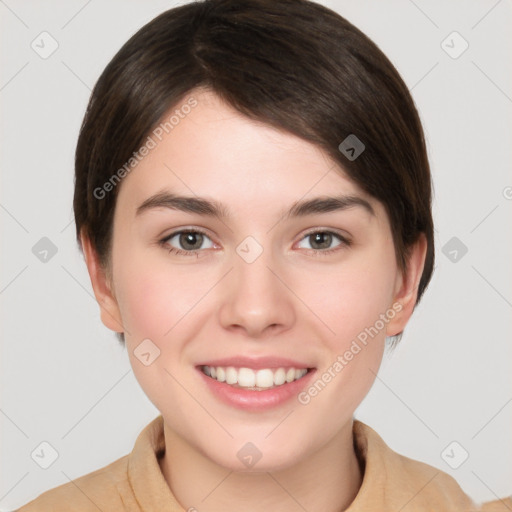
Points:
(135, 483)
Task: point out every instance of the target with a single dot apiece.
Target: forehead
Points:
(214, 151)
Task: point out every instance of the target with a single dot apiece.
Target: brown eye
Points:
(187, 242)
(322, 241)
(191, 240)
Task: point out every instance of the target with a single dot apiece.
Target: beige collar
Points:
(391, 482)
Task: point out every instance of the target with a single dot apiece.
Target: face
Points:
(254, 288)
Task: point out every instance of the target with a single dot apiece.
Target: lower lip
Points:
(250, 399)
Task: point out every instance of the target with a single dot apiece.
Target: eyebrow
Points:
(212, 208)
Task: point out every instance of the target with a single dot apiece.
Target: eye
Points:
(322, 240)
(191, 240)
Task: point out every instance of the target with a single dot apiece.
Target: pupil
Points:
(190, 239)
(323, 239)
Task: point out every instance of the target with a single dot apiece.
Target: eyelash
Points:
(316, 252)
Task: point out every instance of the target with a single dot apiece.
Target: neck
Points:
(327, 480)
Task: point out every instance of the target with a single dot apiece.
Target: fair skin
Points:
(290, 302)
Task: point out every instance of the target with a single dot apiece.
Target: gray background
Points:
(65, 379)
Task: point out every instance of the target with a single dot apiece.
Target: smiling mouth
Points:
(256, 380)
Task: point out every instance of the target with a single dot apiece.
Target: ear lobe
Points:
(109, 309)
(406, 291)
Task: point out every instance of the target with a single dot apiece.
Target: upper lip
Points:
(256, 362)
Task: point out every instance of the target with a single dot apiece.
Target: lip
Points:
(250, 399)
(256, 363)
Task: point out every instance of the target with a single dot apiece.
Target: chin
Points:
(255, 457)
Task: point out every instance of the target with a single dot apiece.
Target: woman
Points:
(253, 201)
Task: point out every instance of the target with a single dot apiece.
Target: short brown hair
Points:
(292, 64)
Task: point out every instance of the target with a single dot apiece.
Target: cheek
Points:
(349, 299)
(155, 296)
(157, 302)
(354, 302)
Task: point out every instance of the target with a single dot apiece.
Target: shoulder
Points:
(442, 488)
(401, 480)
(91, 492)
(499, 505)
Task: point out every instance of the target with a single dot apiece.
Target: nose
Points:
(256, 298)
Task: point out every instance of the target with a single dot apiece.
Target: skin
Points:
(289, 302)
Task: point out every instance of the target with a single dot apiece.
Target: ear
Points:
(109, 309)
(406, 289)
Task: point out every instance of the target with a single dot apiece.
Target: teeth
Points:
(231, 375)
(279, 377)
(255, 379)
(221, 374)
(264, 378)
(246, 377)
